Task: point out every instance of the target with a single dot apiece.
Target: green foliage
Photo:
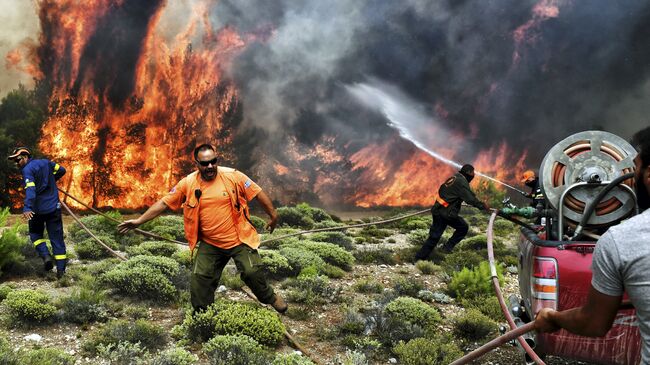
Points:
(311, 290)
(291, 359)
(258, 223)
(368, 286)
(90, 249)
(168, 226)
(332, 271)
(469, 283)
(84, 306)
(373, 231)
(294, 217)
(136, 312)
(316, 214)
(278, 232)
(412, 223)
(235, 350)
(274, 264)
(97, 224)
(353, 323)
(45, 356)
(408, 287)
(329, 252)
(486, 304)
(8, 356)
(11, 243)
(488, 191)
(4, 290)
(418, 236)
(427, 267)
(300, 258)
(231, 279)
(183, 257)
(478, 242)
(145, 277)
(473, 325)
(153, 248)
(504, 228)
(337, 238)
(149, 335)
(458, 259)
(231, 318)
(375, 256)
(175, 356)
(29, 306)
(414, 311)
(123, 353)
(424, 351)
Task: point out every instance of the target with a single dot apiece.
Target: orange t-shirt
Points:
(216, 225)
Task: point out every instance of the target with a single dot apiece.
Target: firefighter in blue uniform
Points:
(42, 207)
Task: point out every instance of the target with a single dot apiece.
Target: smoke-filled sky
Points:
(525, 72)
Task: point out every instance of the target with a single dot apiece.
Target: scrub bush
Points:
(4, 290)
(373, 231)
(427, 267)
(332, 271)
(338, 238)
(478, 242)
(368, 286)
(329, 252)
(418, 236)
(230, 318)
(45, 356)
(470, 283)
(183, 257)
(278, 232)
(89, 249)
(424, 351)
(29, 306)
(231, 279)
(235, 350)
(291, 359)
(136, 312)
(84, 306)
(294, 217)
(175, 356)
(300, 258)
(456, 260)
(311, 290)
(168, 226)
(11, 243)
(328, 224)
(317, 214)
(414, 311)
(153, 248)
(473, 325)
(353, 323)
(504, 228)
(8, 356)
(258, 223)
(149, 335)
(375, 256)
(97, 224)
(123, 353)
(408, 286)
(486, 304)
(145, 277)
(274, 264)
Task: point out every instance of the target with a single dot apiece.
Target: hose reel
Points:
(577, 168)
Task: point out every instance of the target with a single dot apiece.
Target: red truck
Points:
(555, 263)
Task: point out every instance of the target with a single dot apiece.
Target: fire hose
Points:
(516, 332)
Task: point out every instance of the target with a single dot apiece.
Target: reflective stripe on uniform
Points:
(56, 169)
(30, 184)
(42, 240)
(442, 202)
(60, 257)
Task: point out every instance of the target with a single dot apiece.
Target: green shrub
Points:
(279, 232)
(183, 257)
(145, 277)
(368, 286)
(97, 224)
(317, 214)
(11, 243)
(503, 228)
(293, 217)
(328, 224)
(153, 248)
(311, 290)
(427, 267)
(275, 265)
(351, 358)
(89, 249)
(175, 356)
(4, 290)
(338, 238)
(478, 242)
(29, 306)
(168, 226)
(45, 356)
(353, 323)
(469, 283)
(414, 311)
(84, 306)
(231, 279)
(457, 260)
(329, 252)
(258, 223)
(473, 325)
(291, 359)
(408, 287)
(375, 256)
(297, 313)
(332, 271)
(123, 353)
(300, 258)
(136, 312)
(424, 351)
(129, 239)
(418, 236)
(230, 318)
(486, 304)
(373, 231)
(235, 350)
(149, 335)
(8, 356)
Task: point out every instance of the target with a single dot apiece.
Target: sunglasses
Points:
(207, 163)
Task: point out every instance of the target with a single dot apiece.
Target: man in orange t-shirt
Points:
(215, 210)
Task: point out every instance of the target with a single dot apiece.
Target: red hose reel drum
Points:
(588, 159)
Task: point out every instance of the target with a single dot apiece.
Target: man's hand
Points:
(544, 321)
(270, 225)
(28, 215)
(127, 226)
(527, 195)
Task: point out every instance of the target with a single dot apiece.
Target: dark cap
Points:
(467, 169)
(18, 151)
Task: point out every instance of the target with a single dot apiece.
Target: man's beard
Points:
(642, 196)
(205, 176)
